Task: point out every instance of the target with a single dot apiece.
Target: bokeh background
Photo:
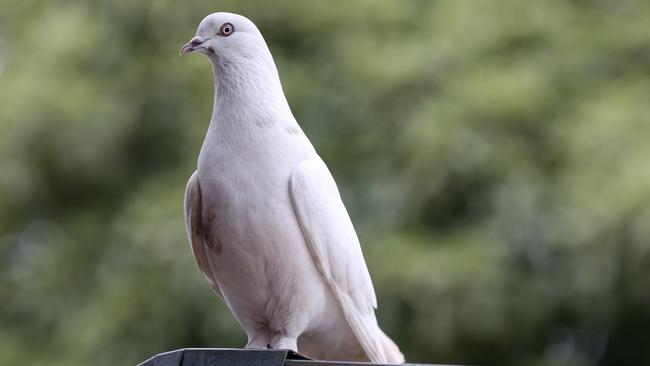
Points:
(494, 157)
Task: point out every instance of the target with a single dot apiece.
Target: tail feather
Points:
(364, 326)
(377, 345)
(391, 351)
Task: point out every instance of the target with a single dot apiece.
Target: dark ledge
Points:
(238, 357)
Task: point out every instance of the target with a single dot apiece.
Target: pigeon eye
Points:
(226, 29)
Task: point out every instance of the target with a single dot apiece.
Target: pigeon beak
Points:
(192, 45)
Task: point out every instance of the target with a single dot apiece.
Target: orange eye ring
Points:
(226, 29)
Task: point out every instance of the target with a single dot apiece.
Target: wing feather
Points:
(195, 232)
(335, 249)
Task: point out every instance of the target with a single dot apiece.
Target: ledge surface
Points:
(241, 357)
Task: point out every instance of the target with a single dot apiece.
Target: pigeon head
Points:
(243, 67)
(227, 37)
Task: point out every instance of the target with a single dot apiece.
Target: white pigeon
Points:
(265, 220)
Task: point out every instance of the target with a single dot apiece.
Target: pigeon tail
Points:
(391, 351)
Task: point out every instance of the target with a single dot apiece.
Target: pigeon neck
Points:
(247, 89)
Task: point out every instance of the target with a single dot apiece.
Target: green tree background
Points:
(494, 157)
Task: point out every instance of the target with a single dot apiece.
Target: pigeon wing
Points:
(195, 232)
(335, 249)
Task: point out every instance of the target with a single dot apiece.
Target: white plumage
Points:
(265, 220)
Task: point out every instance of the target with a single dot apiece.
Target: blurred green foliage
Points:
(494, 156)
